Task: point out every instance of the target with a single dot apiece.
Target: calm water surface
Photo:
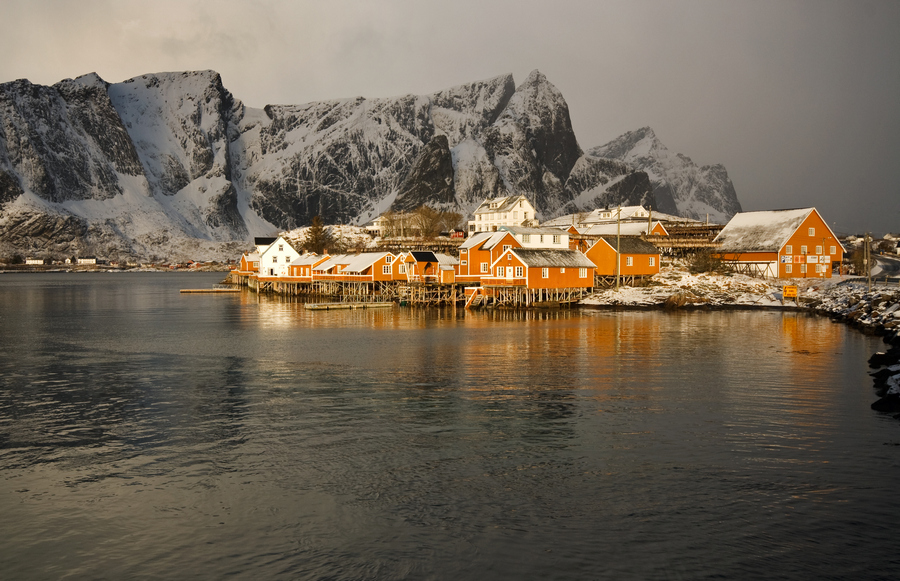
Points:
(149, 434)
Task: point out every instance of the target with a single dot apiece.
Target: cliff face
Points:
(679, 185)
(172, 164)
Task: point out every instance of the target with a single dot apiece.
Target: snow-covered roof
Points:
(504, 204)
(764, 231)
(484, 240)
(446, 259)
(252, 256)
(542, 257)
(361, 262)
(630, 245)
(526, 230)
(333, 261)
(309, 258)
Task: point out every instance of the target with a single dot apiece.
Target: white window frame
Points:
(501, 272)
(788, 249)
(652, 261)
(803, 250)
(818, 250)
(629, 261)
(582, 273)
(519, 272)
(812, 231)
(788, 268)
(803, 268)
(833, 250)
(545, 272)
(389, 259)
(556, 238)
(484, 267)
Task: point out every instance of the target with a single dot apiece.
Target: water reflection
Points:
(143, 433)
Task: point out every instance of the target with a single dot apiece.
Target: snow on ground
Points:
(699, 289)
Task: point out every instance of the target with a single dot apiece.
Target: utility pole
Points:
(867, 257)
(618, 244)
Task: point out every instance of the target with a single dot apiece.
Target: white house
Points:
(507, 211)
(276, 259)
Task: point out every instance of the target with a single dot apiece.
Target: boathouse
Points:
(780, 244)
(635, 257)
(480, 250)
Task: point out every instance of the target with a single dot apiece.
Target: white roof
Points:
(765, 231)
(625, 229)
(446, 260)
(333, 261)
(304, 259)
(362, 261)
(541, 257)
(504, 204)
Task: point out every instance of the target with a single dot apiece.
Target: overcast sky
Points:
(799, 100)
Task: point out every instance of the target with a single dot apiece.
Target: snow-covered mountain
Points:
(679, 185)
(172, 165)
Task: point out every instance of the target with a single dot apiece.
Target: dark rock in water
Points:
(882, 359)
(888, 404)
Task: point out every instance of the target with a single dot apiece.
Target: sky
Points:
(799, 100)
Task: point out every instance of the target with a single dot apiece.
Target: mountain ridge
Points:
(173, 164)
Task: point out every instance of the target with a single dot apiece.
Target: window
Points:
(787, 268)
(274, 259)
(389, 259)
(812, 231)
(386, 269)
(518, 271)
(463, 250)
(541, 238)
(484, 267)
(803, 268)
(788, 249)
(401, 269)
(501, 271)
(582, 273)
(803, 250)
(629, 261)
(545, 273)
(652, 261)
(555, 239)
(506, 247)
(463, 262)
(820, 268)
(526, 237)
(833, 250)
(818, 250)
(281, 248)
(562, 271)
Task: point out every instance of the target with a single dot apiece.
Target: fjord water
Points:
(149, 434)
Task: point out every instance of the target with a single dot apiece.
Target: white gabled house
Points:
(276, 259)
(507, 211)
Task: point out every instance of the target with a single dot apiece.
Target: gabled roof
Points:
(525, 230)
(764, 231)
(485, 240)
(542, 257)
(252, 256)
(308, 258)
(504, 204)
(630, 245)
(332, 262)
(362, 261)
(446, 259)
(423, 256)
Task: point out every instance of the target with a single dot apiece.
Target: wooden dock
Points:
(210, 290)
(337, 306)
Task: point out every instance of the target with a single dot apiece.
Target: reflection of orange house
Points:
(781, 244)
(478, 253)
(541, 268)
(636, 257)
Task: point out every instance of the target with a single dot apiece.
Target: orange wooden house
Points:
(541, 268)
(636, 257)
(480, 251)
(369, 267)
(781, 244)
(301, 268)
